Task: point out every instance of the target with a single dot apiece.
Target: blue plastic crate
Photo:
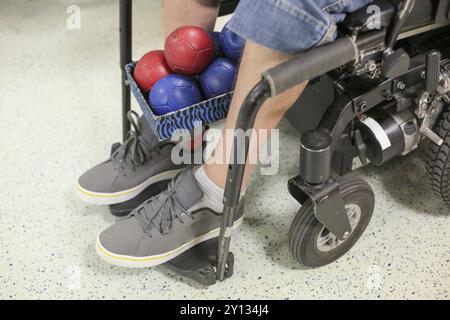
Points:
(165, 126)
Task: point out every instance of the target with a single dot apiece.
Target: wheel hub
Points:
(327, 241)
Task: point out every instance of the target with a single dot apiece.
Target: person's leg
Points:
(188, 212)
(255, 60)
(178, 13)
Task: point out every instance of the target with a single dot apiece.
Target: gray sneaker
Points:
(162, 227)
(137, 164)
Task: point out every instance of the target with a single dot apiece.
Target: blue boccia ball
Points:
(231, 43)
(218, 78)
(215, 37)
(172, 93)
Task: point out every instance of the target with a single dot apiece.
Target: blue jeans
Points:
(291, 26)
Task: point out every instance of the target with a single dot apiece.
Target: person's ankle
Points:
(212, 193)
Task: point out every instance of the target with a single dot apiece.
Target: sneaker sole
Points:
(103, 198)
(151, 261)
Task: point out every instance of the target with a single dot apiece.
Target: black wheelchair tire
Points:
(438, 160)
(305, 228)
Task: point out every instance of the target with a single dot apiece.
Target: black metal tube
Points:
(315, 156)
(245, 121)
(403, 11)
(227, 7)
(125, 13)
(337, 117)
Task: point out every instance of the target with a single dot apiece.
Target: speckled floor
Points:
(60, 111)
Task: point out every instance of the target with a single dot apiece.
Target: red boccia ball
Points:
(150, 69)
(189, 50)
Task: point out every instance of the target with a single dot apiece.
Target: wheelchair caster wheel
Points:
(312, 245)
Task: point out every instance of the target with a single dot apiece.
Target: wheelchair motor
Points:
(388, 135)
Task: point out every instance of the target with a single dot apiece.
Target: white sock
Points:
(212, 193)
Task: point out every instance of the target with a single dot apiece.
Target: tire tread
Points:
(438, 159)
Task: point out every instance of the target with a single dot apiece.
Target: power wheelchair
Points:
(375, 93)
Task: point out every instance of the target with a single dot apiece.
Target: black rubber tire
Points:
(438, 161)
(305, 227)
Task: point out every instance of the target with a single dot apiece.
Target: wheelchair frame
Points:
(318, 185)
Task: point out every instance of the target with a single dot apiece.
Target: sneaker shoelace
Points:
(134, 150)
(161, 210)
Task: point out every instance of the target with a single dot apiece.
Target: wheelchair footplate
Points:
(199, 263)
